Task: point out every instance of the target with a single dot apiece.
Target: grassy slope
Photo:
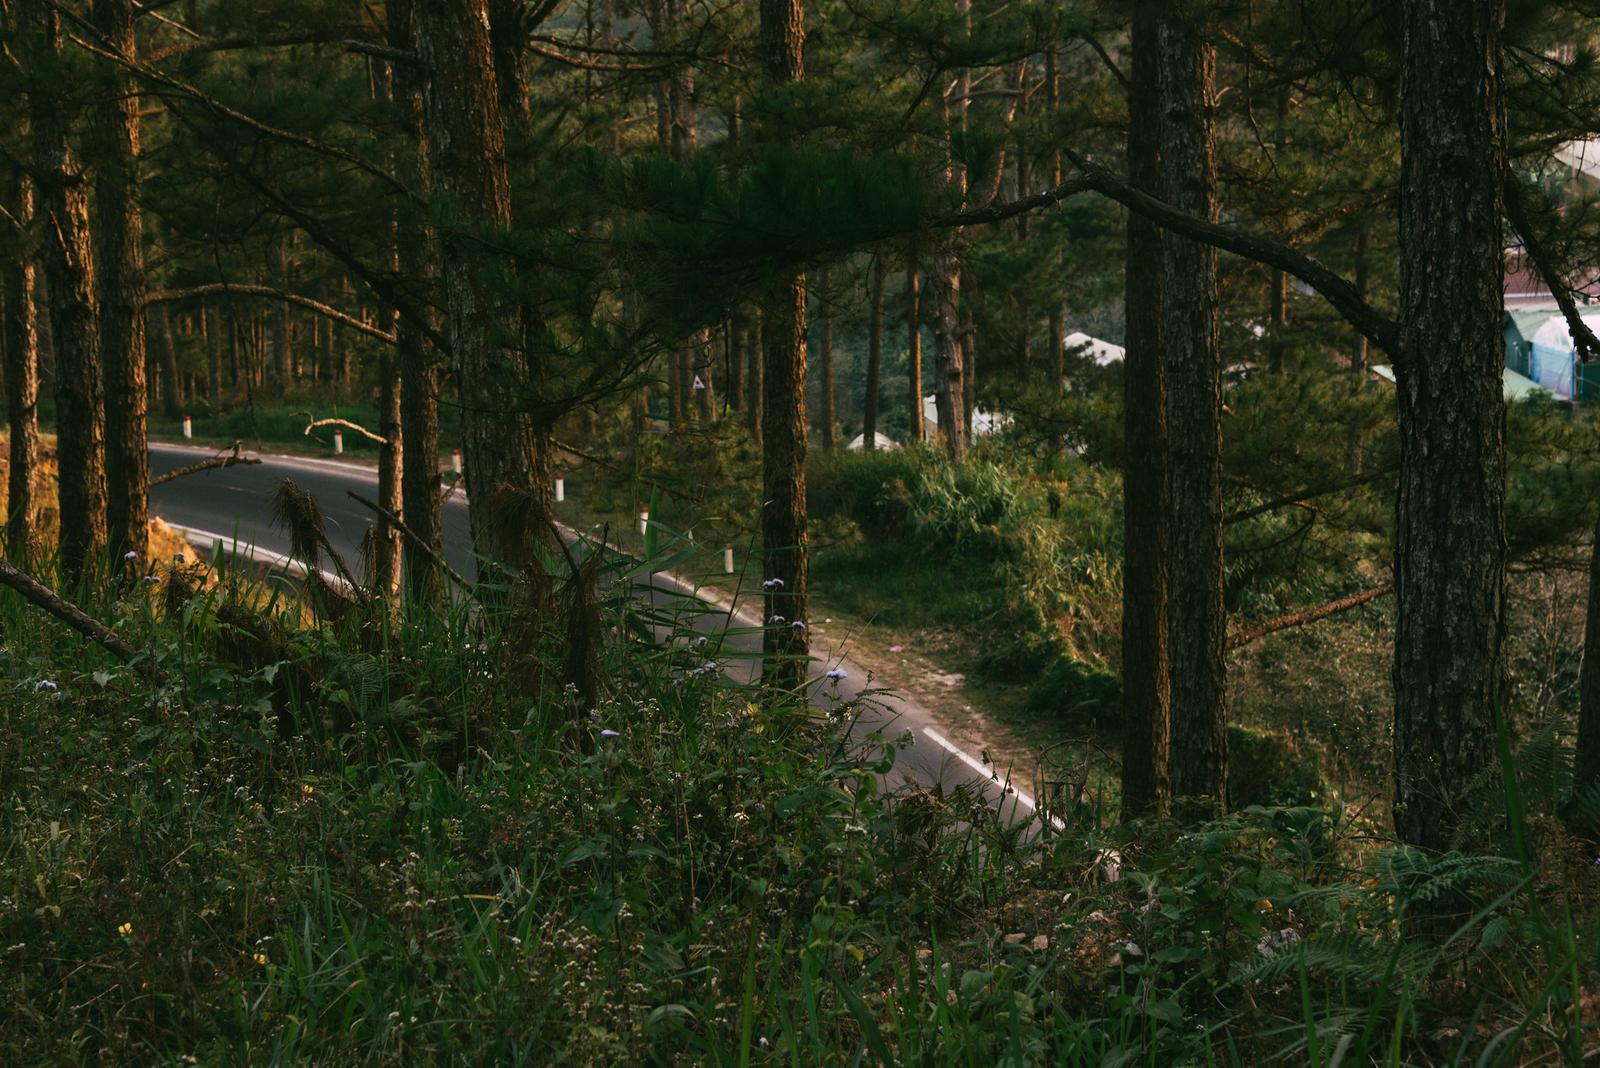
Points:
(459, 881)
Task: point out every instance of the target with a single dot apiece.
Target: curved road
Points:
(234, 506)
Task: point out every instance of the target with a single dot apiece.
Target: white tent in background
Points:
(1103, 353)
(983, 422)
(880, 440)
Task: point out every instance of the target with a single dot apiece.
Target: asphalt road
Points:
(234, 505)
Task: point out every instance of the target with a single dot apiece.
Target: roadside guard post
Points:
(188, 428)
(644, 519)
(455, 460)
(338, 442)
(727, 559)
(561, 488)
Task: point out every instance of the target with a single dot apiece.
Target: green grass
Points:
(474, 874)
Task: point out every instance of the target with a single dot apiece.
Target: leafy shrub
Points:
(1074, 692)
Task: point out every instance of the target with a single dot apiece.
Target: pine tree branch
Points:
(213, 463)
(1301, 496)
(1516, 206)
(1345, 299)
(245, 290)
(357, 427)
(1309, 615)
(239, 42)
(44, 597)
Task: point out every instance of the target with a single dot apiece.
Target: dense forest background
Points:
(1137, 365)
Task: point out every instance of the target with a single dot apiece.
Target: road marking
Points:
(210, 538)
(987, 772)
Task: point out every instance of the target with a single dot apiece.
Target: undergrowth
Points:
(451, 859)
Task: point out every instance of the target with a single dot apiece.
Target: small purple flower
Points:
(129, 557)
(836, 674)
(708, 668)
(798, 625)
(776, 621)
(45, 686)
(609, 733)
(698, 643)
(151, 580)
(772, 584)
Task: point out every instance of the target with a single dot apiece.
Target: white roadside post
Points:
(455, 460)
(644, 519)
(188, 428)
(727, 559)
(338, 442)
(561, 488)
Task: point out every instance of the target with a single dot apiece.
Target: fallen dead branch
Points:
(357, 427)
(219, 461)
(42, 596)
(1307, 615)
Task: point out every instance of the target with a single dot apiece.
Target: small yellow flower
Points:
(1369, 884)
(1263, 905)
(125, 929)
(259, 958)
(307, 789)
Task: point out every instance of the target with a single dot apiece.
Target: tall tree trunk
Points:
(167, 352)
(283, 325)
(783, 516)
(120, 258)
(213, 321)
(1450, 542)
(705, 392)
(1586, 762)
(391, 468)
(1196, 621)
(755, 380)
(1358, 347)
(22, 378)
(419, 371)
(869, 415)
(1146, 711)
(738, 336)
(1056, 341)
(67, 261)
(468, 164)
(917, 432)
(826, 416)
(950, 386)
(1278, 288)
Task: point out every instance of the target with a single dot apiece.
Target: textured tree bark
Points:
(213, 324)
(67, 263)
(827, 417)
(120, 259)
(167, 352)
(419, 371)
(22, 378)
(738, 336)
(869, 415)
(755, 379)
(916, 431)
(783, 516)
(705, 393)
(950, 387)
(1057, 342)
(391, 467)
(1358, 347)
(1146, 711)
(282, 325)
(467, 141)
(1450, 547)
(1586, 762)
(1196, 621)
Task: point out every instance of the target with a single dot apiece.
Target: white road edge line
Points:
(250, 551)
(987, 772)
